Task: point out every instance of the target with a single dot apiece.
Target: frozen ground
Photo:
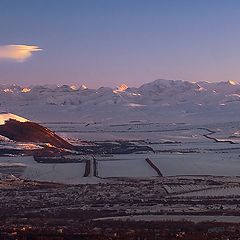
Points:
(27, 168)
(179, 149)
(126, 168)
(226, 191)
(194, 134)
(191, 218)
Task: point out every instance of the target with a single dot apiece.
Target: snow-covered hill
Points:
(160, 100)
(4, 116)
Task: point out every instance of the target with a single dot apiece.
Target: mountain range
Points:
(160, 100)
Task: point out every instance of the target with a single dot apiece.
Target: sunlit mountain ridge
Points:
(160, 100)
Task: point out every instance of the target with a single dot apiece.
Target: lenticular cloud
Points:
(18, 53)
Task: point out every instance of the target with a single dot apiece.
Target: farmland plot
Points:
(125, 168)
(214, 192)
(210, 163)
(71, 173)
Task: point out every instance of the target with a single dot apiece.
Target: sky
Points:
(110, 42)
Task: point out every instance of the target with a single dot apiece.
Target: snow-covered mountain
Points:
(19, 129)
(160, 100)
(4, 117)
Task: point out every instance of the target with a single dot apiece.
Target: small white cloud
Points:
(18, 53)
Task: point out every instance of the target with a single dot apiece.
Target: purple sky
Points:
(109, 42)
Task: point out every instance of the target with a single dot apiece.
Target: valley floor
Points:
(106, 209)
(188, 173)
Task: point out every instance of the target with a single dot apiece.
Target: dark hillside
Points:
(32, 132)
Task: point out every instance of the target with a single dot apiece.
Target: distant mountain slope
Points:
(160, 100)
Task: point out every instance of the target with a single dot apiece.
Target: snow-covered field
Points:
(179, 149)
(189, 133)
(212, 163)
(70, 173)
(192, 128)
(125, 168)
(192, 218)
(227, 191)
(171, 164)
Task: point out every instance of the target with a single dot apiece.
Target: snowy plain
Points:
(193, 128)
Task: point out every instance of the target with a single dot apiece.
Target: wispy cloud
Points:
(18, 53)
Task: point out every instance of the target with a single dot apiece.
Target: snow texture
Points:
(160, 100)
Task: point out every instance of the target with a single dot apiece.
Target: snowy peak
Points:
(4, 117)
(223, 88)
(83, 87)
(122, 87)
(149, 100)
(232, 82)
(158, 85)
(162, 85)
(20, 130)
